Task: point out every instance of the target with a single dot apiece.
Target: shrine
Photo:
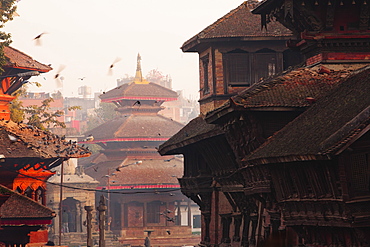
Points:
(26, 156)
(141, 186)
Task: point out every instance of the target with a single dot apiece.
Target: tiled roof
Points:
(238, 23)
(196, 130)
(331, 123)
(134, 127)
(161, 170)
(73, 179)
(296, 88)
(22, 141)
(136, 91)
(18, 59)
(69, 132)
(15, 205)
(290, 89)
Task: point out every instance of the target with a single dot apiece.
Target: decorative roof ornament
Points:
(139, 76)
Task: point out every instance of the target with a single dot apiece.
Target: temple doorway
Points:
(71, 215)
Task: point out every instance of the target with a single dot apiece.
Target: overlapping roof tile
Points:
(196, 130)
(238, 23)
(328, 125)
(22, 141)
(138, 172)
(296, 88)
(136, 91)
(15, 205)
(16, 58)
(134, 127)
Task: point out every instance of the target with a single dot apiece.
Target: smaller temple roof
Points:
(139, 89)
(295, 88)
(18, 59)
(17, 209)
(73, 179)
(238, 23)
(136, 91)
(331, 124)
(138, 173)
(25, 141)
(196, 130)
(135, 128)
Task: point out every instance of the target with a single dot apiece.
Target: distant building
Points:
(181, 110)
(142, 187)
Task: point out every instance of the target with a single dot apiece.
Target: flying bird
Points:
(58, 78)
(137, 103)
(37, 39)
(110, 71)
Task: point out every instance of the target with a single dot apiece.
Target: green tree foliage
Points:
(7, 9)
(39, 116)
(42, 116)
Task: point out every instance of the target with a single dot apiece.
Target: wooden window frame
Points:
(205, 64)
(233, 74)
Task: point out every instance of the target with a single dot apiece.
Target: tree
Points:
(39, 116)
(7, 9)
(42, 117)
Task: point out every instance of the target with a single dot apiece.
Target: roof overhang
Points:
(137, 98)
(128, 139)
(25, 221)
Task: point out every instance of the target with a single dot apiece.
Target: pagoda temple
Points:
(26, 156)
(285, 162)
(142, 188)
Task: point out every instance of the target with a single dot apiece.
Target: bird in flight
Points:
(37, 39)
(110, 71)
(58, 78)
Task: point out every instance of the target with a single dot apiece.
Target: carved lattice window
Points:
(205, 64)
(153, 212)
(359, 164)
(237, 68)
(265, 64)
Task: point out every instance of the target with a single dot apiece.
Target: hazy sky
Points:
(86, 36)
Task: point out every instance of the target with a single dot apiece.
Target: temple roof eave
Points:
(108, 100)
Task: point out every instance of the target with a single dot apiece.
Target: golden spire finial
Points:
(139, 76)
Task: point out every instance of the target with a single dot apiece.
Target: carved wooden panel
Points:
(364, 16)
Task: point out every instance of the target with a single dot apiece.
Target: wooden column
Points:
(178, 221)
(190, 222)
(88, 225)
(102, 208)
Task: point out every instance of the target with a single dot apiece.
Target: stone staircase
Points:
(74, 239)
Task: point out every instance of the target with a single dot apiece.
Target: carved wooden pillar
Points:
(237, 225)
(225, 222)
(178, 220)
(207, 221)
(275, 221)
(246, 222)
(254, 220)
(190, 218)
(88, 225)
(102, 208)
